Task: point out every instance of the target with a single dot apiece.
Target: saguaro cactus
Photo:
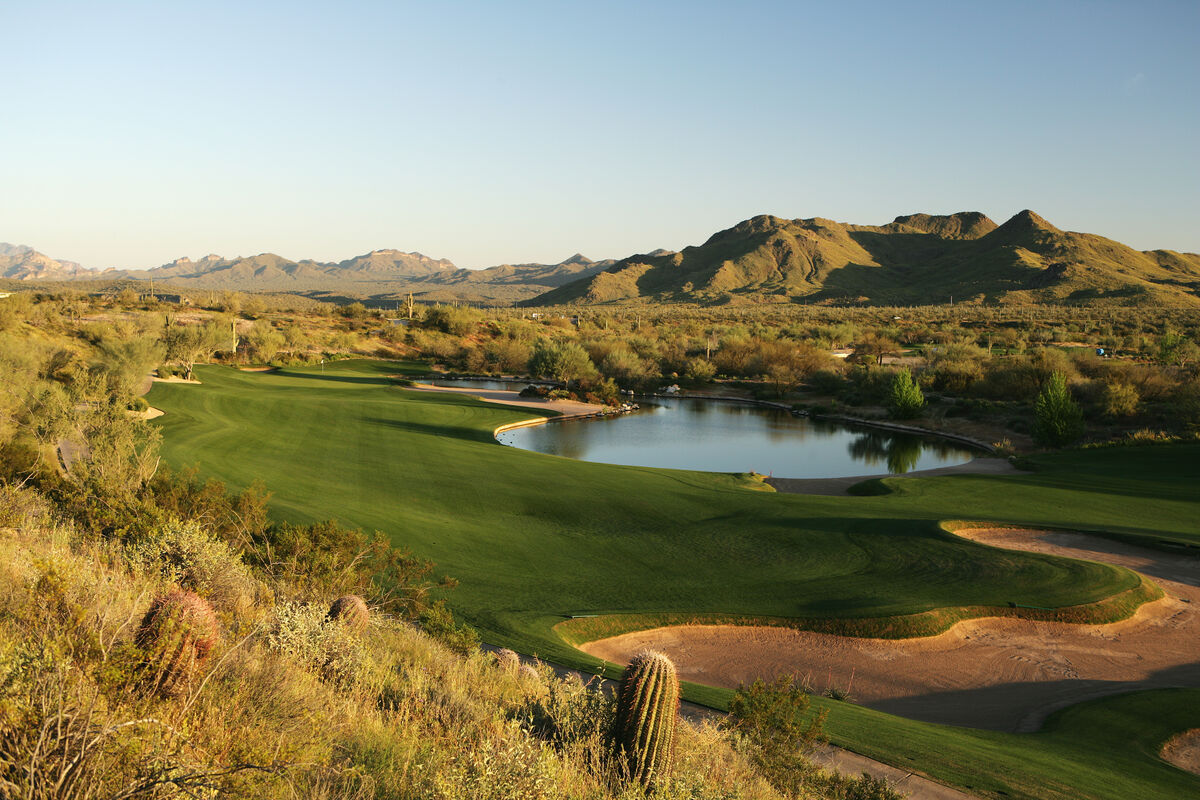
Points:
(176, 635)
(350, 610)
(647, 713)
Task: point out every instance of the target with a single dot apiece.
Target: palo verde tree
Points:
(1057, 418)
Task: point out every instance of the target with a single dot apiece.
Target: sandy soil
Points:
(838, 486)
(149, 413)
(998, 673)
(564, 407)
(175, 379)
(1184, 750)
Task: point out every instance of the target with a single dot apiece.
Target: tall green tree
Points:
(905, 399)
(1058, 420)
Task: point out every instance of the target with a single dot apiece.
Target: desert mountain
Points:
(22, 263)
(914, 259)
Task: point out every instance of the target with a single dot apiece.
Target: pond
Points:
(716, 436)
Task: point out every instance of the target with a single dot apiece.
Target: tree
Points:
(1057, 418)
(187, 344)
(905, 399)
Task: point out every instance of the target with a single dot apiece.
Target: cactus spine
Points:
(176, 636)
(647, 712)
(350, 610)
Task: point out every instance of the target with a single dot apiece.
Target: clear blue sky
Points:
(135, 133)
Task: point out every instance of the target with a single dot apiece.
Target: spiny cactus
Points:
(507, 659)
(350, 610)
(647, 712)
(176, 636)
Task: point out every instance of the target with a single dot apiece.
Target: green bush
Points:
(905, 400)
(1057, 418)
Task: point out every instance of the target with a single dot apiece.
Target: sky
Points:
(132, 134)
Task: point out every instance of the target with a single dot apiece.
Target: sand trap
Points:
(998, 673)
(1184, 751)
(149, 413)
(568, 408)
(175, 379)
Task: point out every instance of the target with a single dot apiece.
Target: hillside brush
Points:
(647, 714)
(350, 610)
(176, 636)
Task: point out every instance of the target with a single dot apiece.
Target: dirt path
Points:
(838, 486)
(568, 408)
(997, 673)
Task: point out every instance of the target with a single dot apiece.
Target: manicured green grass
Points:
(1104, 749)
(535, 539)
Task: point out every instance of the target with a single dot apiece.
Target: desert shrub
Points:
(1057, 418)
(138, 404)
(1119, 400)
(457, 321)
(332, 652)
(699, 370)
(183, 553)
(438, 622)
(775, 723)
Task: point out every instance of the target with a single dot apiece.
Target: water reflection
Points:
(899, 452)
(719, 436)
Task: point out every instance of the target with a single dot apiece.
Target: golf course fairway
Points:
(535, 539)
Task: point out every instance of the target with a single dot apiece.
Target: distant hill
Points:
(915, 259)
(379, 274)
(22, 263)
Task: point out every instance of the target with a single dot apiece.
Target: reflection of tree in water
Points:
(900, 453)
(904, 454)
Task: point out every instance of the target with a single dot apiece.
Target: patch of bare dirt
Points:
(1184, 751)
(998, 673)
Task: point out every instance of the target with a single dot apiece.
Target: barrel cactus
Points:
(176, 636)
(351, 611)
(647, 713)
(507, 659)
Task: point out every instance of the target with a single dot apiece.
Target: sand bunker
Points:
(1184, 751)
(998, 673)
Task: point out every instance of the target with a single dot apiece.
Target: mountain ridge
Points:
(915, 259)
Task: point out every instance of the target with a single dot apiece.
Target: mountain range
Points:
(915, 259)
(375, 274)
